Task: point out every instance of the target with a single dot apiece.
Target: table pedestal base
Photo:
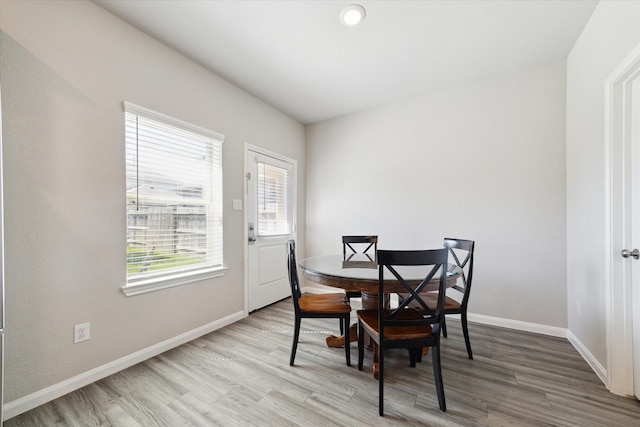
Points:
(338, 342)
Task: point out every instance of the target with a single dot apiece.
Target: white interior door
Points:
(271, 221)
(635, 274)
(622, 142)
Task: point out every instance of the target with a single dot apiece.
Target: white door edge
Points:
(619, 319)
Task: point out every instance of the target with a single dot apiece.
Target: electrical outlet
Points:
(81, 332)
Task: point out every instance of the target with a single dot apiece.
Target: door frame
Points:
(618, 179)
(245, 184)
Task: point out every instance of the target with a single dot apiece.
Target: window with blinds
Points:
(174, 199)
(273, 191)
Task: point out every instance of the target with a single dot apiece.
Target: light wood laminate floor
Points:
(240, 376)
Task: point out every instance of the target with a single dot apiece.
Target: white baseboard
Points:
(48, 394)
(480, 318)
(597, 367)
(537, 328)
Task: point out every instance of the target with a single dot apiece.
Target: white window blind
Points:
(174, 197)
(273, 193)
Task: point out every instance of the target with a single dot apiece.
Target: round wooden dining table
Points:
(359, 273)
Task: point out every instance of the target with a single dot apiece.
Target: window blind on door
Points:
(273, 193)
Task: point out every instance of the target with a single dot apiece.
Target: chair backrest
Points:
(294, 282)
(348, 241)
(434, 262)
(462, 252)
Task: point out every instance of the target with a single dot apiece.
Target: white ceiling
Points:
(298, 57)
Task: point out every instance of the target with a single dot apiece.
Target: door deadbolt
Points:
(634, 253)
(252, 233)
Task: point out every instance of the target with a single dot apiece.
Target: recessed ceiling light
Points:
(352, 15)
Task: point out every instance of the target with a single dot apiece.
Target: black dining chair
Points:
(333, 305)
(403, 326)
(353, 245)
(462, 252)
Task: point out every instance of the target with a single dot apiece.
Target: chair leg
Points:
(296, 335)
(465, 332)
(380, 380)
(341, 327)
(413, 357)
(444, 327)
(347, 340)
(360, 346)
(437, 376)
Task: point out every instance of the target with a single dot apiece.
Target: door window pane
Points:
(273, 194)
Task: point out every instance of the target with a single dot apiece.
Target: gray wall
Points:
(66, 68)
(484, 161)
(610, 34)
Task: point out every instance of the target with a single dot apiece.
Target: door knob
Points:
(634, 253)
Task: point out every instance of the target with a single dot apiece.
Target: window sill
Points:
(156, 284)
